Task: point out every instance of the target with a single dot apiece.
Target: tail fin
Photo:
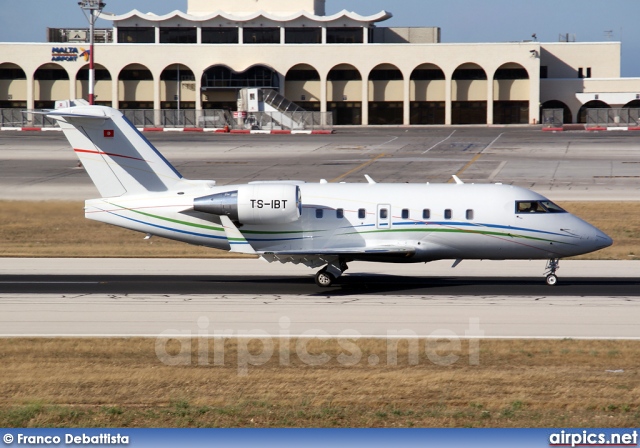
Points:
(118, 158)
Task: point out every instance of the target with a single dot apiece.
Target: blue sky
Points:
(460, 20)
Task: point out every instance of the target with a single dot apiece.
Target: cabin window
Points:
(362, 213)
(538, 207)
(447, 214)
(405, 213)
(339, 213)
(469, 214)
(319, 213)
(384, 213)
(426, 213)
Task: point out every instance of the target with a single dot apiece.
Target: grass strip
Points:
(123, 383)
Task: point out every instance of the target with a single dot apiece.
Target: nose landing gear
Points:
(552, 266)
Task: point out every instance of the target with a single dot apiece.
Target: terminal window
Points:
(345, 35)
(303, 35)
(261, 35)
(178, 35)
(220, 35)
(137, 35)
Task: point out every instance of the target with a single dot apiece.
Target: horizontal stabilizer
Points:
(77, 112)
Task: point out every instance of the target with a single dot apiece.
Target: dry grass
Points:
(619, 220)
(122, 383)
(59, 229)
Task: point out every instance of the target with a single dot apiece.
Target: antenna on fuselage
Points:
(457, 179)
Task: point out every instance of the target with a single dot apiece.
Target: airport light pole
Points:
(92, 6)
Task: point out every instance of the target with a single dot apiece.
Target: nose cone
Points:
(602, 240)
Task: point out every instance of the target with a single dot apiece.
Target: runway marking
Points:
(497, 170)
(312, 336)
(492, 142)
(382, 144)
(358, 168)
(464, 168)
(441, 141)
(476, 157)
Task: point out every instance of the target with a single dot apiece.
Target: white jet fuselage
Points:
(436, 221)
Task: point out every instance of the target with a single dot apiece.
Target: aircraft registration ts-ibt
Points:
(321, 224)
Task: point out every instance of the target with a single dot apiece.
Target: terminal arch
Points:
(302, 86)
(51, 83)
(177, 85)
(220, 84)
(135, 87)
(386, 95)
(593, 104)
(102, 87)
(344, 94)
(635, 104)
(556, 104)
(427, 93)
(469, 95)
(511, 94)
(13, 86)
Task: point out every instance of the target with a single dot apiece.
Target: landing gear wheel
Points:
(324, 279)
(552, 266)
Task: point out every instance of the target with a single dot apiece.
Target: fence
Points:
(20, 118)
(189, 118)
(286, 120)
(613, 118)
(552, 118)
(183, 118)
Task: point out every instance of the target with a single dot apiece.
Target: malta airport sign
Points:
(68, 54)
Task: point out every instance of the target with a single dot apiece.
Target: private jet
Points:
(321, 225)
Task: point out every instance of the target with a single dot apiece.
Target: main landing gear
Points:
(327, 275)
(552, 266)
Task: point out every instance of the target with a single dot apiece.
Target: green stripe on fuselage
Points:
(164, 218)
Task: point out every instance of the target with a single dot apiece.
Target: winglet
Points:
(457, 179)
(237, 241)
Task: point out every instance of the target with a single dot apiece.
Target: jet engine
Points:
(255, 204)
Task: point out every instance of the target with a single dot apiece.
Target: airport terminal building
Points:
(343, 63)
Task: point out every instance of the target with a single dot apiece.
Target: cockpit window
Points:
(553, 208)
(538, 207)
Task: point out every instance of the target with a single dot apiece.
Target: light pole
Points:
(92, 6)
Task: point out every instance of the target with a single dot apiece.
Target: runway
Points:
(111, 297)
(251, 298)
(348, 285)
(563, 166)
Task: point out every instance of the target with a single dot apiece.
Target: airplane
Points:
(323, 224)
